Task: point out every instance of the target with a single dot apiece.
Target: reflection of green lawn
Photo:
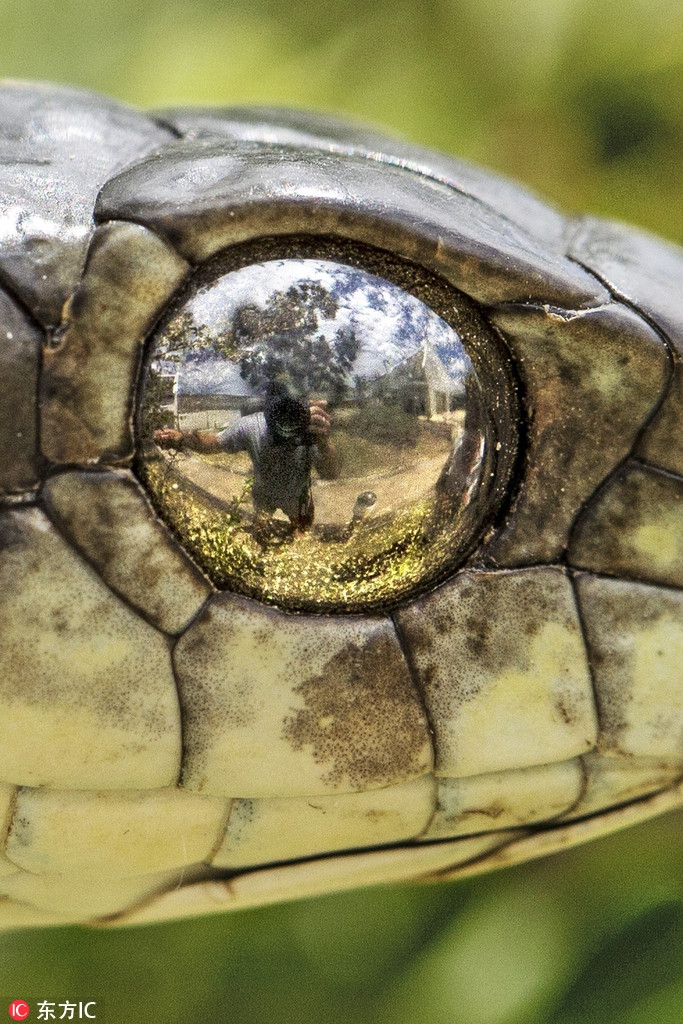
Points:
(359, 456)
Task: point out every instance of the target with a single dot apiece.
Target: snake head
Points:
(433, 629)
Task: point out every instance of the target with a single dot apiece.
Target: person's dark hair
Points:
(287, 417)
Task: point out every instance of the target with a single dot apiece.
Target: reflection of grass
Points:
(371, 563)
(208, 526)
(368, 456)
(237, 462)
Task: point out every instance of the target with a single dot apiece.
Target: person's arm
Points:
(187, 440)
(326, 461)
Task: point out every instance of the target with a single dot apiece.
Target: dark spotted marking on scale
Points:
(358, 682)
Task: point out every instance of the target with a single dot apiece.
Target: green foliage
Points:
(625, 967)
(184, 335)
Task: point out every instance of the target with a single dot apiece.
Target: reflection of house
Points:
(163, 372)
(423, 384)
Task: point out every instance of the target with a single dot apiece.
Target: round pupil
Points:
(313, 434)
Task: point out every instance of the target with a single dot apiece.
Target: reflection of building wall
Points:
(198, 403)
(420, 399)
(205, 412)
(210, 393)
(440, 402)
(206, 419)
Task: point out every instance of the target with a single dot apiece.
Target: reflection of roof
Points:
(427, 366)
(436, 375)
(211, 377)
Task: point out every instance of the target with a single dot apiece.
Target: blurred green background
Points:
(583, 100)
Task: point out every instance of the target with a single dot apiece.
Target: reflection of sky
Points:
(390, 323)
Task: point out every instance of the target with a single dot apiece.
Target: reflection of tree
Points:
(183, 335)
(283, 340)
(155, 414)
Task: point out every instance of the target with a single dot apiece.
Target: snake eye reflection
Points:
(315, 435)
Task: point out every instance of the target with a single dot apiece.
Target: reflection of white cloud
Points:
(391, 324)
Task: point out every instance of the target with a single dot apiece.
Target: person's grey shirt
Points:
(282, 471)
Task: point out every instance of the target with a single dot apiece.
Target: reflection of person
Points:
(285, 442)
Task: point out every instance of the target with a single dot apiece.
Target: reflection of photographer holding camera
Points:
(285, 442)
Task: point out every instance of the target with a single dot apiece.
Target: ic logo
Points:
(19, 1009)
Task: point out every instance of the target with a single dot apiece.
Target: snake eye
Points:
(320, 433)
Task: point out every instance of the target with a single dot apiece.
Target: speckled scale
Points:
(171, 749)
